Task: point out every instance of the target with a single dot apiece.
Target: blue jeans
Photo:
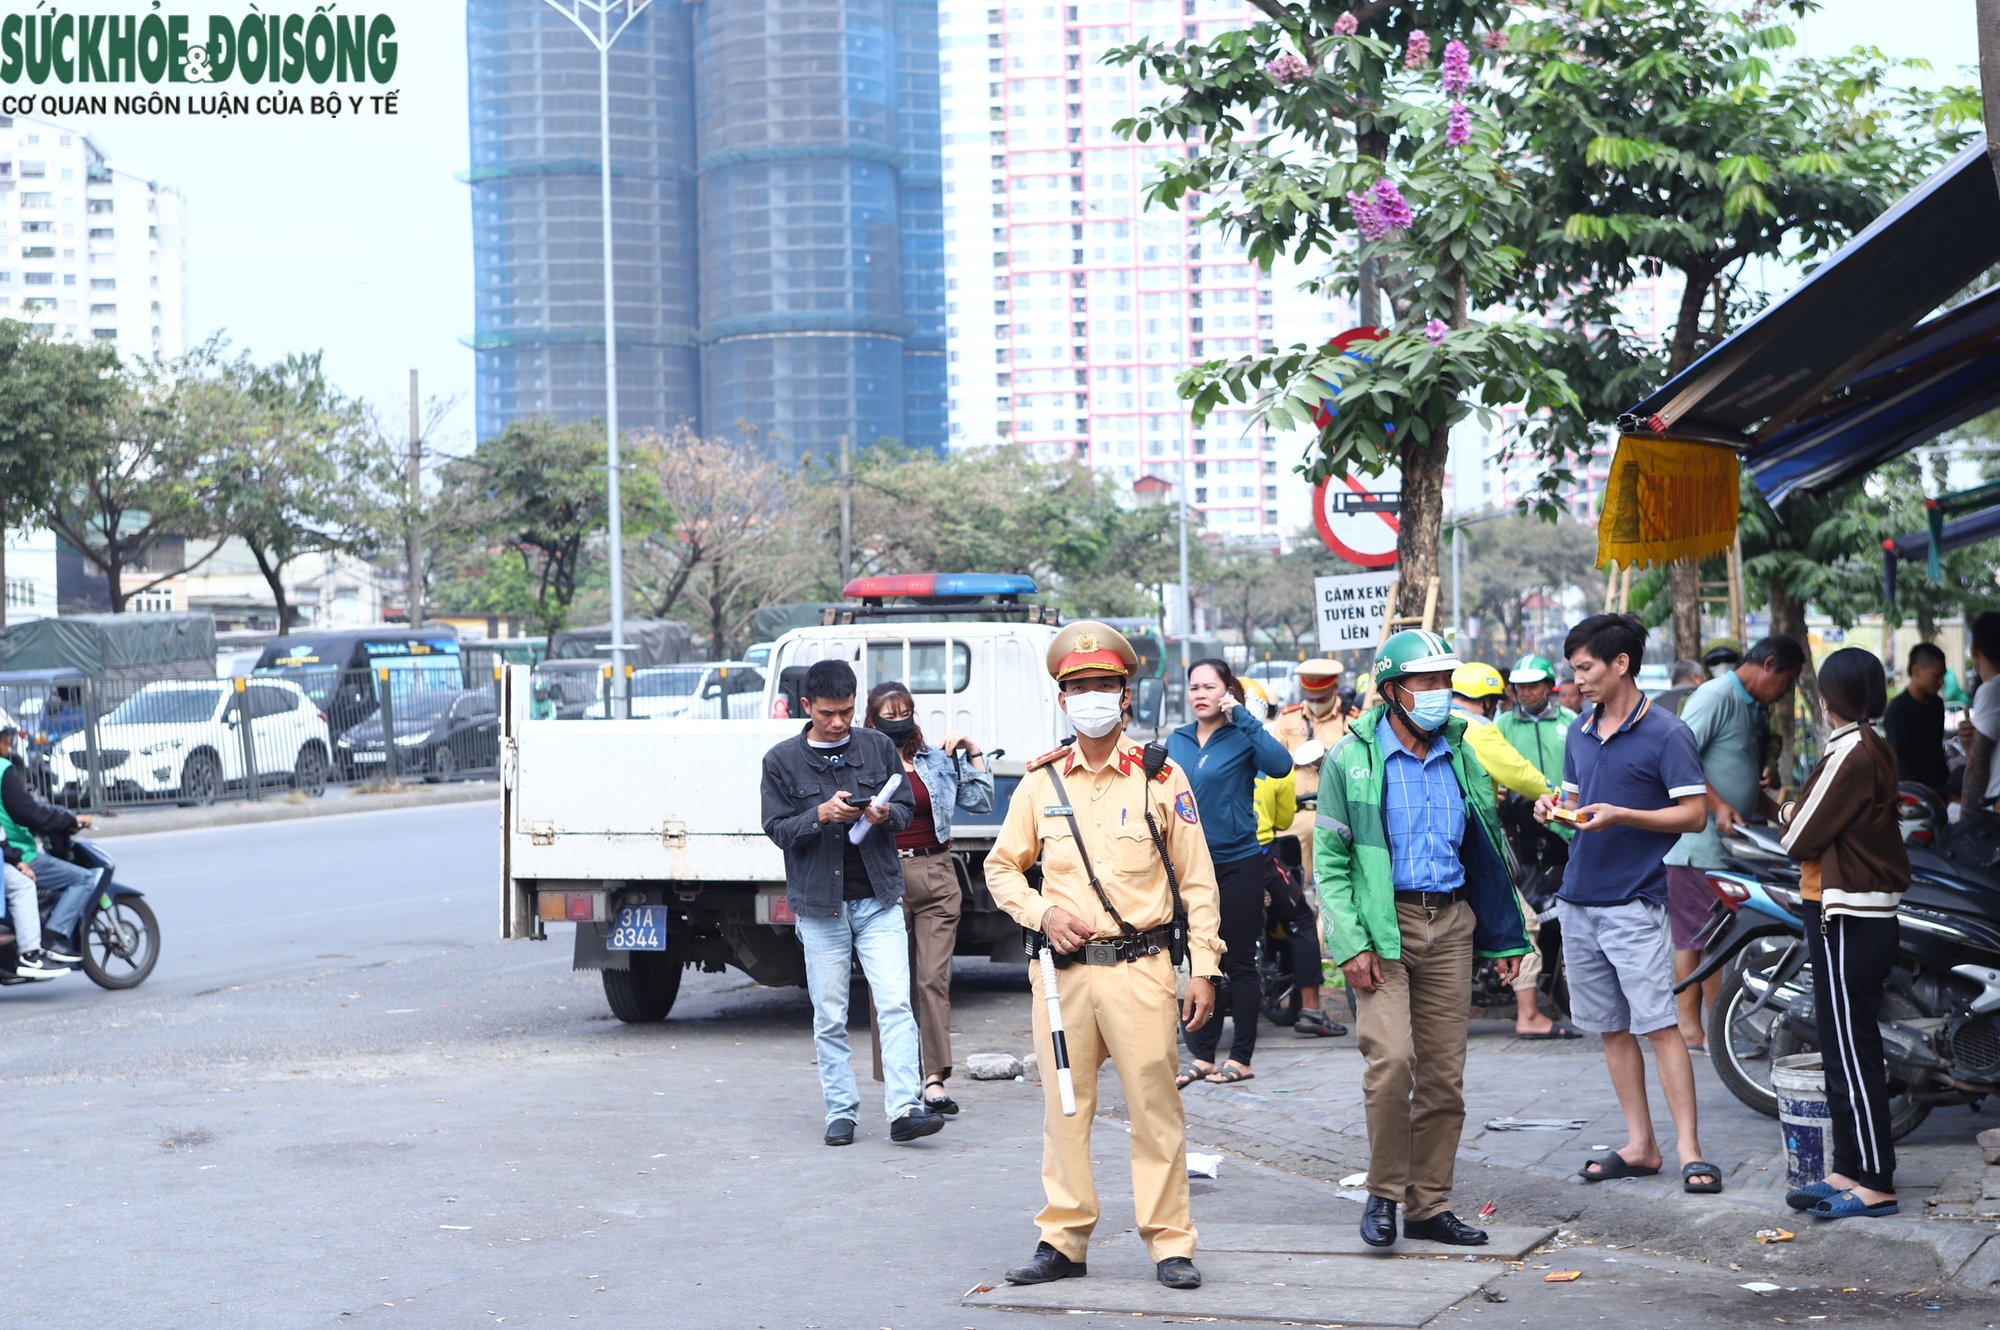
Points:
(876, 932)
(74, 883)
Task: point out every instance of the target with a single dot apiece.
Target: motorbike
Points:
(119, 936)
(1940, 1015)
(1537, 857)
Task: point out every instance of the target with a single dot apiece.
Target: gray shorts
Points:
(1620, 966)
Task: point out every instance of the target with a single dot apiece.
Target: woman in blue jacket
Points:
(1223, 752)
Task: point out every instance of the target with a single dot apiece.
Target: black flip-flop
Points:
(1613, 1165)
(1559, 1032)
(1701, 1169)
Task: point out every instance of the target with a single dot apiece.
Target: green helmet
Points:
(1413, 651)
(1532, 669)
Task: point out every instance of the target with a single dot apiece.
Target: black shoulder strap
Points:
(1069, 814)
(1153, 758)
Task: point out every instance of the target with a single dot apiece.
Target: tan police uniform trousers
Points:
(1128, 1013)
(1412, 1035)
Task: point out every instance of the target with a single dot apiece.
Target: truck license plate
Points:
(639, 928)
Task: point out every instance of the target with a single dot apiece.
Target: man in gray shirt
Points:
(1727, 716)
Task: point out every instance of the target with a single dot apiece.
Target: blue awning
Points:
(1838, 376)
(1959, 533)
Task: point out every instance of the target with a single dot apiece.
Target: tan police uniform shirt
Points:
(1110, 806)
(1294, 725)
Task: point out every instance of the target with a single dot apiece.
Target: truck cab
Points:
(644, 834)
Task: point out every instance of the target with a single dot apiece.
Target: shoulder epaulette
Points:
(1048, 757)
(1166, 772)
(1296, 706)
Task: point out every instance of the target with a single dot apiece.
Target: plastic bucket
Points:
(1800, 1081)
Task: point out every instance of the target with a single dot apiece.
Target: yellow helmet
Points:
(1254, 688)
(1477, 680)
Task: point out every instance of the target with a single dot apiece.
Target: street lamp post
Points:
(622, 13)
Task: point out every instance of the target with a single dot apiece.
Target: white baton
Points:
(1064, 1084)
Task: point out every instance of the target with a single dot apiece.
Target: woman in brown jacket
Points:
(1853, 872)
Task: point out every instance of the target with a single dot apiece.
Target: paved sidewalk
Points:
(277, 806)
(1303, 1113)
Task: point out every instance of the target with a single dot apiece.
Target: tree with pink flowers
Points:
(1389, 158)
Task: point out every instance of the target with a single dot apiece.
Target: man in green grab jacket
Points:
(1413, 884)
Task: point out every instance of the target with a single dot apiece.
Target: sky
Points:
(353, 235)
(349, 235)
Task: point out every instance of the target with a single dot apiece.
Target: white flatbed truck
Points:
(645, 836)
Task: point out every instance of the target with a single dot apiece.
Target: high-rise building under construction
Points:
(777, 210)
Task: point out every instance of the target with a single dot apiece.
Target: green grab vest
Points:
(17, 835)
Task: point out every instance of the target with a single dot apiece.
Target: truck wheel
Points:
(646, 992)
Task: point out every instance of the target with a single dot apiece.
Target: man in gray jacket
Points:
(847, 894)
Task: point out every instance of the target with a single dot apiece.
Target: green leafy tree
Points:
(149, 471)
(56, 401)
(538, 490)
(1667, 139)
(295, 478)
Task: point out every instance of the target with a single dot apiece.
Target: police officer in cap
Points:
(1100, 821)
(1322, 716)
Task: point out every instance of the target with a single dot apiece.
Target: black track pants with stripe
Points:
(1851, 963)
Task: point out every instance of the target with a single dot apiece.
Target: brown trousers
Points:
(931, 904)
(1412, 1035)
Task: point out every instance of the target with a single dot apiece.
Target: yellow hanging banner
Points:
(1667, 501)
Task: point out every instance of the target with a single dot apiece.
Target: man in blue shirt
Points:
(1633, 784)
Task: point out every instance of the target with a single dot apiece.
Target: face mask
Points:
(1094, 714)
(1320, 706)
(1428, 711)
(900, 732)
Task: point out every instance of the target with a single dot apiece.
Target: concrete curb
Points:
(139, 822)
(1660, 1218)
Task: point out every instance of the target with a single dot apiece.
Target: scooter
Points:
(119, 935)
(1940, 1015)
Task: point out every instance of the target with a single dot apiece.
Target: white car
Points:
(181, 739)
(722, 690)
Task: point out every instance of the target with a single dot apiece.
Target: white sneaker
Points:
(38, 965)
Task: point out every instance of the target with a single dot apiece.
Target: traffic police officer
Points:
(1107, 907)
(1321, 716)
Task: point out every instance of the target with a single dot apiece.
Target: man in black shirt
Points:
(845, 888)
(1914, 722)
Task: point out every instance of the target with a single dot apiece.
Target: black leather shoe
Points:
(1046, 1266)
(1444, 1226)
(1179, 1272)
(1378, 1222)
(917, 1122)
(840, 1131)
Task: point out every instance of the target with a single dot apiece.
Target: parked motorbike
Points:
(1940, 1018)
(1537, 857)
(119, 935)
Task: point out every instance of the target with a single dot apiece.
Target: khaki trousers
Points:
(1530, 973)
(1302, 828)
(1412, 1035)
(931, 904)
(1129, 1014)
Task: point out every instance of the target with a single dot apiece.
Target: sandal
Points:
(1701, 1169)
(1229, 1073)
(1847, 1205)
(1613, 1165)
(944, 1103)
(1189, 1075)
(1806, 1197)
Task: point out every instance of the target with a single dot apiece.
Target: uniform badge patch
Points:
(1184, 805)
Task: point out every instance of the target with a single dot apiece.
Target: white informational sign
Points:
(1351, 609)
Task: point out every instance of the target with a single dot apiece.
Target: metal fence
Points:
(109, 743)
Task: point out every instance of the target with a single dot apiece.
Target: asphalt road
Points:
(341, 1100)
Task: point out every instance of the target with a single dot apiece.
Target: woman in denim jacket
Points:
(940, 782)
